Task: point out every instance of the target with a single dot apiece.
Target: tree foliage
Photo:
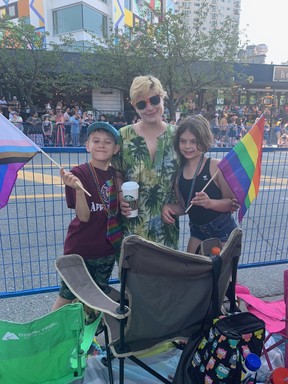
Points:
(25, 64)
(185, 60)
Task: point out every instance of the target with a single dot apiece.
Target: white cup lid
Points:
(130, 185)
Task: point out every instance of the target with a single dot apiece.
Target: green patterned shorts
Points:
(100, 271)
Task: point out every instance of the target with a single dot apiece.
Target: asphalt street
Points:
(263, 281)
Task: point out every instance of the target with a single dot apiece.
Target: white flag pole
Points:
(204, 188)
(58, 165)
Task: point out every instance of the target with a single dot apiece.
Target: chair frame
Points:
(73, 271)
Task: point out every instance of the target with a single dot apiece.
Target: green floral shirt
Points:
(155, 179)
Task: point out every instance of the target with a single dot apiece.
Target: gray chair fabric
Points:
(169, 292)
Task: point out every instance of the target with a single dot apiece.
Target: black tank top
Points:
(199, 215)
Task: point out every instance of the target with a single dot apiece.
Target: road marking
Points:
(282, 182)
(40, 178)
(37, 196)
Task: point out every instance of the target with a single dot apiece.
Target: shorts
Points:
(100, 271)
(221, 227)
(232, 133)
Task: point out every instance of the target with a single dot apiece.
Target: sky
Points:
(266, 22)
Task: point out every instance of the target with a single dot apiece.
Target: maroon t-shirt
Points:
(89, 239)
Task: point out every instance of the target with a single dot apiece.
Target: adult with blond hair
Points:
(147, 156)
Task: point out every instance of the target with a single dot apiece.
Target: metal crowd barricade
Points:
(33, 225)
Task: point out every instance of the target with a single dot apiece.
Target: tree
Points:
(25, 63)
(185, 60)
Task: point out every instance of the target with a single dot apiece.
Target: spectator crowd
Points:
(66, 124)
(60, 125)
(230, 123)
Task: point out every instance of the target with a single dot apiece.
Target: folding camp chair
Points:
(273, 313)
(50, 349)
(169, 295)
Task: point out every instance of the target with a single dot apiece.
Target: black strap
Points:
(216, 270)
(231, 291)
(194, 180)
(177, 191)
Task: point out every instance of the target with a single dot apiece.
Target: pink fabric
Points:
(273, 313)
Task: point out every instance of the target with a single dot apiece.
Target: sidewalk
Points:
(263, 282)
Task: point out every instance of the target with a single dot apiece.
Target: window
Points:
(252, 99)
(243, 99)
(67, 19)
(26, 20)
(95, 21)
(79, 17)
(77, 46)
(128, 4)
(128, 31)
(10, 10)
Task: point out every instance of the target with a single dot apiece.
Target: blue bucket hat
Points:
(106, 127)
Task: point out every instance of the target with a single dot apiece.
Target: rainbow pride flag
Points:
(241, 167)
(16, 149)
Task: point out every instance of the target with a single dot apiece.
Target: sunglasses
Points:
(153, 100)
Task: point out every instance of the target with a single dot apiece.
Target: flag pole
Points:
(59, 166)
(203, 188)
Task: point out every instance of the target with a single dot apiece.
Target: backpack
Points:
(218, 354)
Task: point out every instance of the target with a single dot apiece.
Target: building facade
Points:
(253, 54)
(219, 10)
(64, 17)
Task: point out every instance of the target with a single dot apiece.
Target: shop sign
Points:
(280, 73)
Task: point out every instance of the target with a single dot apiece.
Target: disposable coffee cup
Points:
(130, 195)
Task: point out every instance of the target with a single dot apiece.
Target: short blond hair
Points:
(142, 85)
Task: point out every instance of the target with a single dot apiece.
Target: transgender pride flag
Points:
(16, 149)
(241, 167)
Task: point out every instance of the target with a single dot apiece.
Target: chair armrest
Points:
(74, 273)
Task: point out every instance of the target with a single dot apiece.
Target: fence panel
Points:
(264, 225)
(33, 224)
